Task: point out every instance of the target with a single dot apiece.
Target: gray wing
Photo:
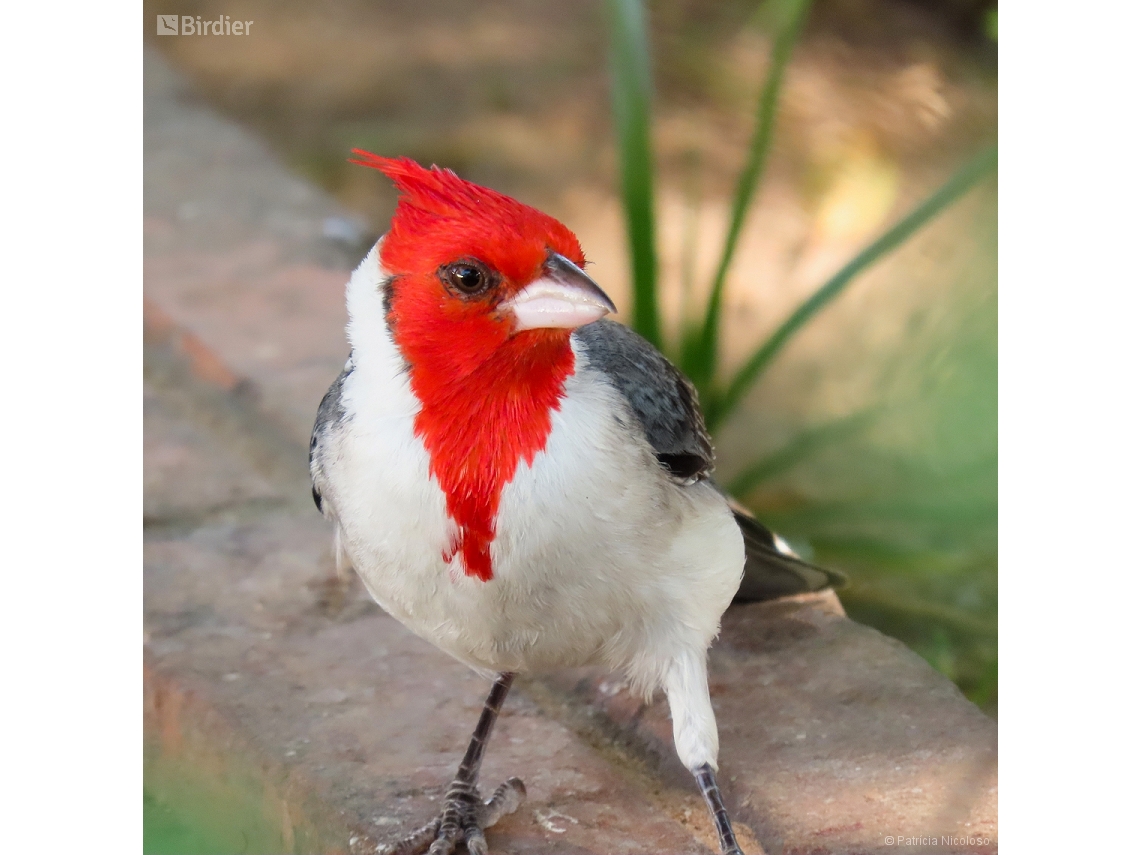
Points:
(330, 415)
(661, 397)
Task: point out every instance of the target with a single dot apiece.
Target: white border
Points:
(70, 352)
(1069, 465)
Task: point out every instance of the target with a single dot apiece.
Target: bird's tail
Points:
(771, 568)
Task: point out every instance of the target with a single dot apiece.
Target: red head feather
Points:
(441, 217)
(486, 394)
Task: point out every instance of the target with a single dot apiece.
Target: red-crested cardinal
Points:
(524, 484)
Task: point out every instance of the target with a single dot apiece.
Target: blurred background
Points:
(870, 440)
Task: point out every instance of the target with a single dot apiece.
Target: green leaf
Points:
(801, 447)
(632, 93)
(689, 241)
(990, 23)
(700, 354)
(944, 613)
(721, 406)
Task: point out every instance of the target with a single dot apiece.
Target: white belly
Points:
(598, 556)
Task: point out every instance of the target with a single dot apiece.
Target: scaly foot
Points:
(463, 819)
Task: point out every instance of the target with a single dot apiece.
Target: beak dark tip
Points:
(561, 267)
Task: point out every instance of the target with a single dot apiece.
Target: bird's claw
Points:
(463, 819)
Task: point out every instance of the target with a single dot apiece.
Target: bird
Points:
(526, 483)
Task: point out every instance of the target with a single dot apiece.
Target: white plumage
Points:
(600, 556)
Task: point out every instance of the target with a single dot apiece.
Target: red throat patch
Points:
(480, 425)
(486, 396)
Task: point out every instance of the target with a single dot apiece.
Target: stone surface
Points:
(293, 693)
(833, 736)
(236, 251)
(349, 705)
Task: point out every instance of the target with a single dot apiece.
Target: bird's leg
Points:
(707, 782)
(464, 814)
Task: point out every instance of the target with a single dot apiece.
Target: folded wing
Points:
(666, 407)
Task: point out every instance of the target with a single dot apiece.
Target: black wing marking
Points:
(330, 414)
(661, 397)
(771, 569)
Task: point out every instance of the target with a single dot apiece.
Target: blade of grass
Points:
(632, 92)
(965, 178)
(700, 358)
(805, 444)
(689, 236)
(864, 593)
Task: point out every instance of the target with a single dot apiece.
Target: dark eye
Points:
(467, 277)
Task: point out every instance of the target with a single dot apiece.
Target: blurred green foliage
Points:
(913, 522)
(168, 831)
(197, 818)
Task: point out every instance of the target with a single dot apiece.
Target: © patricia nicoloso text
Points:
(935, 840)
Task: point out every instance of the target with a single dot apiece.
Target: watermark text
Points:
(193, 25)
(936, 840)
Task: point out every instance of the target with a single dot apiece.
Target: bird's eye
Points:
(467, 277)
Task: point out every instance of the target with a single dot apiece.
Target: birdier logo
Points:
(193, 25)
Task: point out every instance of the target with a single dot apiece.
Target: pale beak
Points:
(562, 298)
